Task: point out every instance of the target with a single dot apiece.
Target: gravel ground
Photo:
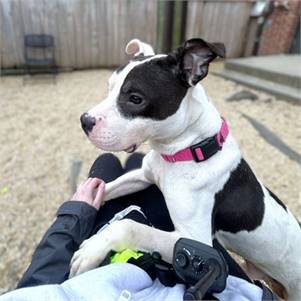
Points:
(40, 137)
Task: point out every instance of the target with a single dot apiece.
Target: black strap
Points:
(267, 294)
(234, 268)
(155, 267)
(237, 271)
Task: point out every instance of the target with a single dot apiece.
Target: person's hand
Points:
(91, 192)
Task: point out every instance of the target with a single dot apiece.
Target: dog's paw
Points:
(94, 250)
(90, 255)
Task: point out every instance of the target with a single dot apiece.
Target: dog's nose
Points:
(87, 122)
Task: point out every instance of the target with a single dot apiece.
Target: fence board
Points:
(88, 33)
(220, 21)
(93, 33)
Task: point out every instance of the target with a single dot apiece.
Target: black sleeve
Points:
(51, 259)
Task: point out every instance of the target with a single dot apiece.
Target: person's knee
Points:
(134, 161)
(106, 167)
(109, 157)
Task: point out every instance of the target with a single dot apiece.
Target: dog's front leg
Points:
(128, 183)
(119, 236)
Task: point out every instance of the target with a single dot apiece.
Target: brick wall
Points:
(280, 28)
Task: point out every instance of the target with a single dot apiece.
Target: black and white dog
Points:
(158, 98)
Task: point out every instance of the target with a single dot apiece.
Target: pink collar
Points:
(203, 150)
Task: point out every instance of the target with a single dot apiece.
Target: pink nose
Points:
(87, 122)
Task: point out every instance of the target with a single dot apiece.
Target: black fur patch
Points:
(157, 85)
(239, 205)
(276, 199)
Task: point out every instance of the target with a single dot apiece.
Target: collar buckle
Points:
(208, 147)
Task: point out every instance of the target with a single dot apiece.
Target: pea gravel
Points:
(40, 137)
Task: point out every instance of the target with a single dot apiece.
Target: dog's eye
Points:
(136, 99)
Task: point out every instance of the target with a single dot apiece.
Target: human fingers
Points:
(98, 200)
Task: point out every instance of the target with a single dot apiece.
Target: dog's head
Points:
(145, 95)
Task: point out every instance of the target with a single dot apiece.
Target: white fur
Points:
(188, 188)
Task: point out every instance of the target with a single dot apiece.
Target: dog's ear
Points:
(193, 59)
(136, 47)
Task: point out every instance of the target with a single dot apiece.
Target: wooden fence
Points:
(220, 21)
(93, 33)
(88, 33)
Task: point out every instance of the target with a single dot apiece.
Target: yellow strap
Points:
(125, 255)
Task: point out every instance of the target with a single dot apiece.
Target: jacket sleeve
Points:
(51, 259)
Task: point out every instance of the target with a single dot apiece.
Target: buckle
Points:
(208, 146)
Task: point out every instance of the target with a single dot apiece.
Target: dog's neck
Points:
(196, 120)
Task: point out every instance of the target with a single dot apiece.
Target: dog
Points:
(210, 190)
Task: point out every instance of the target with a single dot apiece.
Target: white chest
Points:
(189, 189)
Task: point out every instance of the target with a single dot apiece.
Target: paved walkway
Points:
(284, 64)
(279, 75)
